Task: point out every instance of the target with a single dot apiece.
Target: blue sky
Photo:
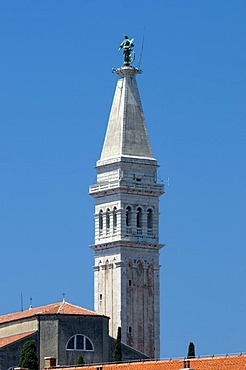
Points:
(56, 89)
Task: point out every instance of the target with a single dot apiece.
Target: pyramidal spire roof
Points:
(126, 134)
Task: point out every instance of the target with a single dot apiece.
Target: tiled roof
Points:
(208, 363)
(13, 338)
(62, 308)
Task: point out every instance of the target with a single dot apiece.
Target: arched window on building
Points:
(108, 220)
(79, 342)
(150, 221)
(128, 220)
(139, 220)
(101, 221)
(114, 219)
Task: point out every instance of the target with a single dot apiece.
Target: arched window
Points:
(128, 220)
(114, 219)
(149, 221)
(128, 216)
(139, 220)
(108, 219)
(79, 342)
(100, 220)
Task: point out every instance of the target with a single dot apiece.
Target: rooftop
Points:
(126, 132)
(232, 362)
(60, 308)
(13, 338)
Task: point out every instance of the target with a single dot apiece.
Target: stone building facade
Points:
(126, 269)
(62, 331)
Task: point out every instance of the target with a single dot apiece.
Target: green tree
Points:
(117, 348)
(191, 350)
(80, 360)
(28, 355)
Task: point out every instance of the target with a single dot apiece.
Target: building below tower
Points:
(62, 331)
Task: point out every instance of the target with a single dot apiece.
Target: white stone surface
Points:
(126, 132)
(126, 269)
(19, 327)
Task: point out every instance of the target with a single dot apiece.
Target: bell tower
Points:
(126, 268)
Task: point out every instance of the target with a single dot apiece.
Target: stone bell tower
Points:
(126, 269)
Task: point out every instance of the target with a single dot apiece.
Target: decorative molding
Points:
(124, 243)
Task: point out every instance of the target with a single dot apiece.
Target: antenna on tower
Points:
(141, 52)
(21, 302)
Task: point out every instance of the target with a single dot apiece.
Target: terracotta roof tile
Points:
(208, 363)
(62, 308)
(13, 338)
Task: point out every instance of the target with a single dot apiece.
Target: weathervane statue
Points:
(128, 52)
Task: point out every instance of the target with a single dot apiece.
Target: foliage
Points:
(28, 355)
(191, 350)
(80, 360)
(117, 348)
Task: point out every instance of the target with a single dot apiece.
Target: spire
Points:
(126, 133)
(127, 220)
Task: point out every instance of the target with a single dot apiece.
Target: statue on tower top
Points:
(128, 52)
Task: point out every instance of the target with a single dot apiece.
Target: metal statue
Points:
(128, 52)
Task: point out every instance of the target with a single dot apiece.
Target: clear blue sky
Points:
(56, 89)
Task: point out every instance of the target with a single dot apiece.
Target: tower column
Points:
(126, 269)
